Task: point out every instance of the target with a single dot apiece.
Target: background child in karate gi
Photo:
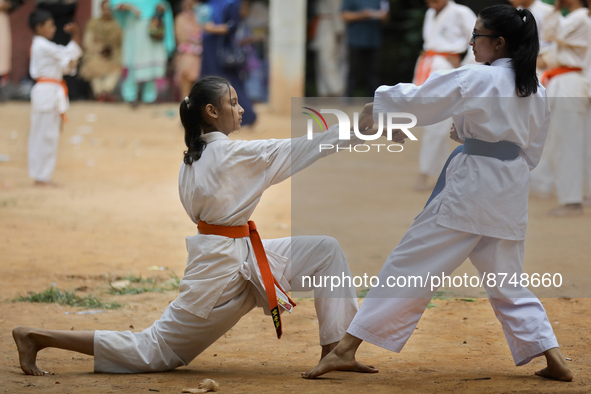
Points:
(446, 34)
(481, 213)
(49, 97)
(220, 184)
(563, 164)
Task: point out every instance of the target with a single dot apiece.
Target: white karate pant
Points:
(179, 336)
(330, 60)
(43, 143)
(564, 158)
(388, 316)
(434, 148)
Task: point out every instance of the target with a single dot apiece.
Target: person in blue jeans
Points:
(221, 30)
(364, 19)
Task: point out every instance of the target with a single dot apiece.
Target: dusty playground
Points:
(118, 214)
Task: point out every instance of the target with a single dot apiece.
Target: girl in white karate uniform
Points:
(220, 183)
(502, 113)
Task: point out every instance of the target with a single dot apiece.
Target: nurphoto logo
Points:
(392, 123)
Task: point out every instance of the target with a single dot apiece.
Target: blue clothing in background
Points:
(367, 33)
(202, 13)
(225, 12)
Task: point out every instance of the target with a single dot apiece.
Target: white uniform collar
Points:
(40, 38)
(502, 62)
(214, 136)
(449, 5)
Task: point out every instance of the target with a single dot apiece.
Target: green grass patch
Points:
(134, 290)
(174, 281)
(8, 202)
(139, 285)
(54, 295)
(138, 279)
(443, 295)
(362, 293)
(439, 295)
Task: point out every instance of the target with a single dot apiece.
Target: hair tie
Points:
(187, 101)
(522, 14)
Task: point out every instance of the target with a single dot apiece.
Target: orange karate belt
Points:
(556, 71)
(424, 66)
(250, 230)
(63, 85)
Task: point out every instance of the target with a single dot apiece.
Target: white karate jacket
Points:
(572, 37)
(449, 32)
(540, 10)
(50, 60)
(482, 195)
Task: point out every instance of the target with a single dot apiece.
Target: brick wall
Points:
(22, 35)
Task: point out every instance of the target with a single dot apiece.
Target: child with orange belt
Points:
(563, 163)
(49, 96)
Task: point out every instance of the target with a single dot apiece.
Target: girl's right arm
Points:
(288, 156)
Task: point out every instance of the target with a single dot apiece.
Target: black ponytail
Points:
(519, 29)
(208, 90)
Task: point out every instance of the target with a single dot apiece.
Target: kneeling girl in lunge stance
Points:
(229, 271)
(502, 114)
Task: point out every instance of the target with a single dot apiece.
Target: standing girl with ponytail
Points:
(229, 269)
(502, 115)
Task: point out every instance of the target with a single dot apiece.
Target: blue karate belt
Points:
(502, 150)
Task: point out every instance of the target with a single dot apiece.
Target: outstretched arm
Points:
(440, 97)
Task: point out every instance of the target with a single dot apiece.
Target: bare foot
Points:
(557, 368)
(47, 184)
(338, 362)
(561, 374)
(568, 210)
(27, 351)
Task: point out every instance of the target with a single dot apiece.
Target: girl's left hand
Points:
(366, 117)
(453, 134)
(71, 28)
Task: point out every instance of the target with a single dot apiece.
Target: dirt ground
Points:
(118, 213)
